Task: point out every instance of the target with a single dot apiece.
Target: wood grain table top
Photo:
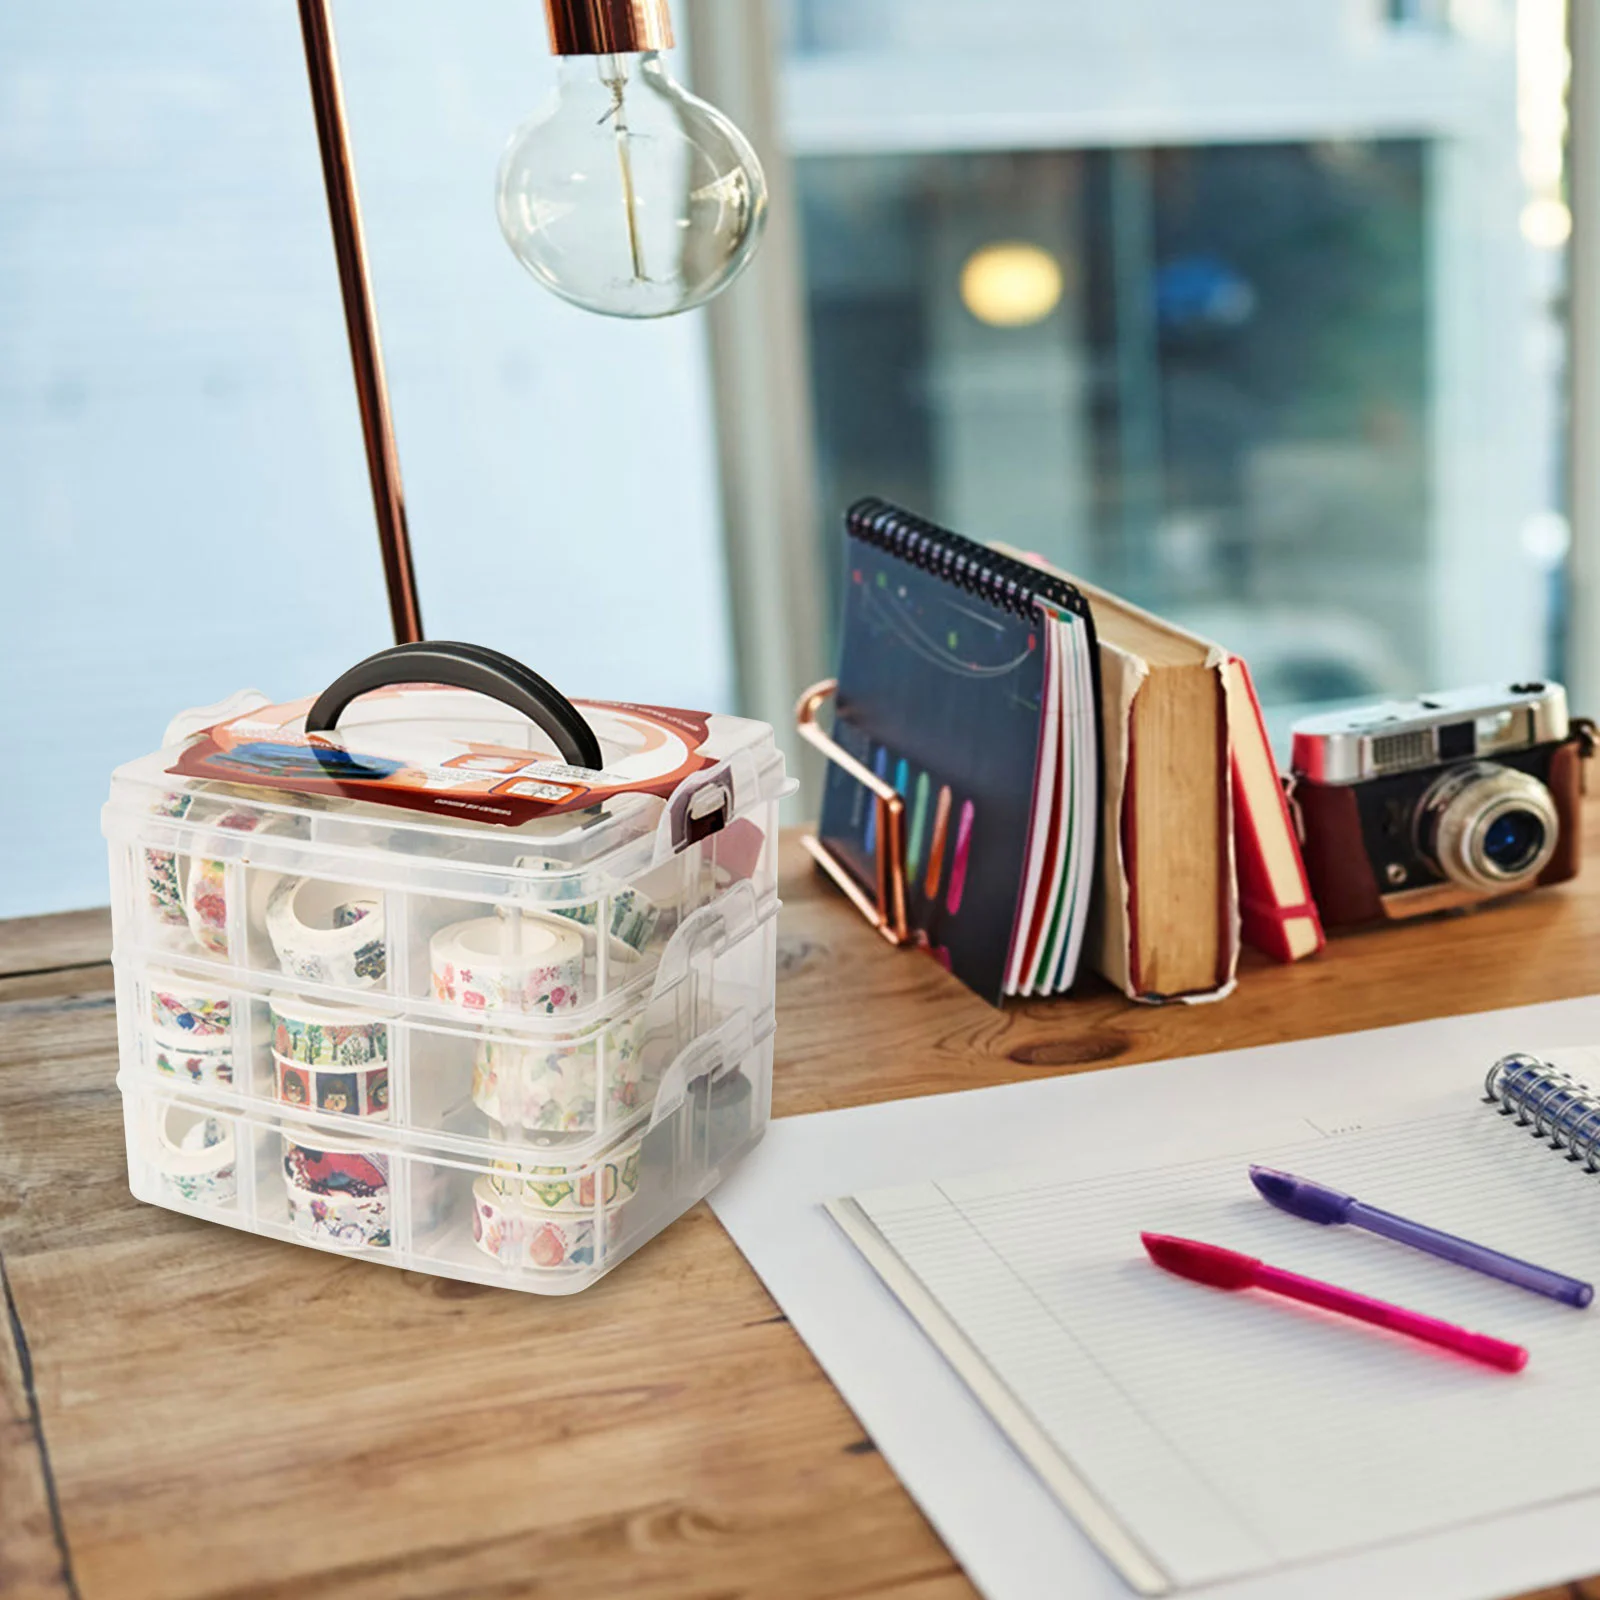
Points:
(187, 1411)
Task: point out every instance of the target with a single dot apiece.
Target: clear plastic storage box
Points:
(368, 1002)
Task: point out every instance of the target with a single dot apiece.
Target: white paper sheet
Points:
(993, 1511)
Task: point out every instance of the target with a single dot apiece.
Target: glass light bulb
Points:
(628, 196)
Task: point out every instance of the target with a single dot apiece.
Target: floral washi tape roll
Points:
(165, 870)
(521, 962)
(511, 1233)
(326, 1036)
(195, 1155)
(543, 1187)
(339, 1091)
(561, 1087)
(212, 883)
(325, 932)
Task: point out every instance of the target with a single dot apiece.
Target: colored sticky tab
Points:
(958, 867)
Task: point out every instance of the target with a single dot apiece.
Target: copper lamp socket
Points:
(608, 27)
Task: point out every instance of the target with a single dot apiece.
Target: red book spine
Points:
(1277, 917)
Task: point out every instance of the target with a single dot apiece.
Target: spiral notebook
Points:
(969, 680)
(1198, 1436)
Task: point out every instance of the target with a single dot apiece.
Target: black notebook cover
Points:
(941, 680)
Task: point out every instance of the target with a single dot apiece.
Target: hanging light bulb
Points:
(625, 194)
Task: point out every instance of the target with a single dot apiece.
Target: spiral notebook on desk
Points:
(969, 680)
(1198, 1436)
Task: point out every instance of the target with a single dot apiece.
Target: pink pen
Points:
(1227, 1269)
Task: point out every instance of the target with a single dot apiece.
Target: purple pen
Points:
(1317, 1203)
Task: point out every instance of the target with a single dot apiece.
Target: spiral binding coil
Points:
(1002, 580)
(1552, 1103)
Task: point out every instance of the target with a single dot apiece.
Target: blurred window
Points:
(1250, 311)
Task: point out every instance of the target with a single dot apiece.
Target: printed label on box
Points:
(394, 748)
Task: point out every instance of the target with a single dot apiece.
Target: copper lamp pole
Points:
(361, 319)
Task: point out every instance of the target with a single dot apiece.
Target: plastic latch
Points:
(705, 803)
(709, 1056)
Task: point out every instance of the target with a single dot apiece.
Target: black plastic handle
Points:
(465, 666)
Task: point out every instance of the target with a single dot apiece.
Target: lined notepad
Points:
(1198, 1435)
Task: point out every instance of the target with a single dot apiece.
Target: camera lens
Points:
(1487, 827)
(1512, 840)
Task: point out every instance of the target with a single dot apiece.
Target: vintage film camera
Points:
(1421, 805)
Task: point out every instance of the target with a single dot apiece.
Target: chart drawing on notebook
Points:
(1198, 1435)
(968, 681)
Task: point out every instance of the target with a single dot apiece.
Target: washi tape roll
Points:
(196, 1016)
(557, 882)
(634, 916)
(164, 870)
(212, 883)
(361, 1171)
(339, 1091)
(325, 932)
(194, 1154)
(560, 1087)
(513, 1235)
(326, 1036)
(190, 1061)
(521, 962)
(553, 1186)
(343, 1220)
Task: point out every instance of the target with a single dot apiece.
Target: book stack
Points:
(1044, 719)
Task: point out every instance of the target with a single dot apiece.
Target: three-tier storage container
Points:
(409, 986)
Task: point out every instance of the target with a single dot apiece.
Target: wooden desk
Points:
(188, 1411)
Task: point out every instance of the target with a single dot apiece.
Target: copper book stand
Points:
(888, 914)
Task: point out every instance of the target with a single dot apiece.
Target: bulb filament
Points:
(617, 116)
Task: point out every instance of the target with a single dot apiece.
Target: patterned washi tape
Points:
(634, 915)
(326, 932)
(562, 1087)
(177, 1013)
(326, 1036)
(545, 1187)
(164, 870)
(340, 1219)
(518, 1237)
(338, 1197)
(212, 884)
(521, 962)
(338, 1091)
(361, 1171)
(194, 1154)
(190, 1061)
